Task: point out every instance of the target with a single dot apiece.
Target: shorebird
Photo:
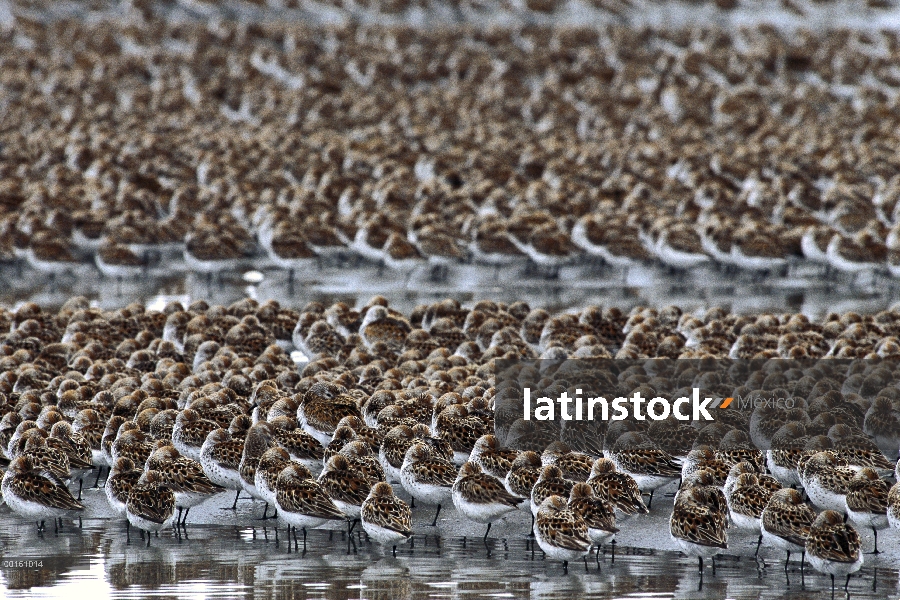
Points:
(186, 479)
(826, 480)
(636, 455)
(698, 525)
(867, 502)
(36, 494)
(746, 503)
(151, 503)
(597, 513)
(386, 518)
(785, 522)
(259, 439)
(560, 533)
(220, 457)
(481, 497)
(834, 547)
(302, 502)
(619, 489)
(427, 478)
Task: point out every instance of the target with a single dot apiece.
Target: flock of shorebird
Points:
(187, 403)
(288, 146)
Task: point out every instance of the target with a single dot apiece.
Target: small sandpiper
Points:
(481, 497)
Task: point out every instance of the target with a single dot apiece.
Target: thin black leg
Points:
(487, 532)
(434, 522)
(234, 504)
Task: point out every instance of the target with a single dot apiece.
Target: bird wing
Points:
(46, 488)
(390, 513)
(309, 498)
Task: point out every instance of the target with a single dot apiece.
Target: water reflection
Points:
(575, 287)
(226, 561)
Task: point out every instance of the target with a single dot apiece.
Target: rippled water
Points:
(240, 558)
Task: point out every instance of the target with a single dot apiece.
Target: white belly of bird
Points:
(893, 517)
(351, 510)
(824, 499)
(745, 521)
(649, 483)
(460, 457)
(323, 437)
(28, 508)
(785, 475)
(779, 542)
(266, 493)
(190, 499)
(314, 465)
(252, 490)
(228, 478)
(146, 524)
(599, 536)
(99, 459)
(298, 520)
(183, 448)
(391, 473)
(117, 506)
(480, 512)
(692, 549)
(424, 492)
(679, 259)
(868, 519)
(383, 535)
(555, 552)
(831, 567)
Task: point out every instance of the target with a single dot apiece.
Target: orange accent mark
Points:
(726, 403)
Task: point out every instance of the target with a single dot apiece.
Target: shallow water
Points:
(804, 290)
(225, 561)
(229, 554)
